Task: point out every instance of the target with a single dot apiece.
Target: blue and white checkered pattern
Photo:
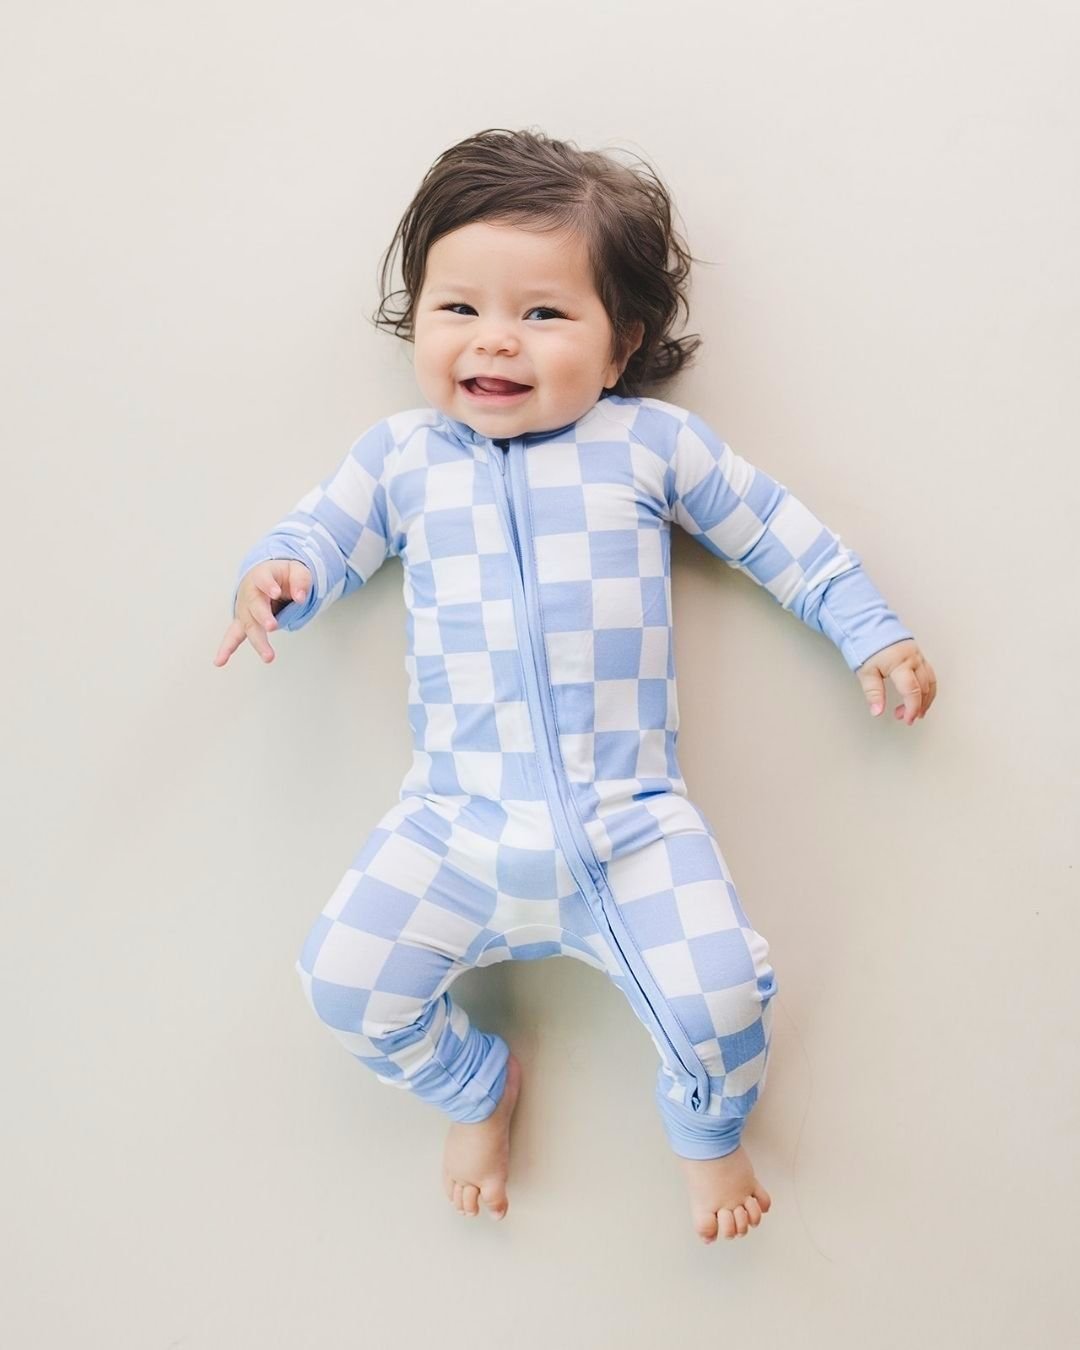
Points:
(544, 812)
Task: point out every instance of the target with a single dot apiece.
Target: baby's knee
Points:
(740, 1018)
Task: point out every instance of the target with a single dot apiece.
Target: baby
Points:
(531, 504)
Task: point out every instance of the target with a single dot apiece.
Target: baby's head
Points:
(527, 259)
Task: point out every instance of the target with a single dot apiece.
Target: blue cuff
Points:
(853, 614)
(692, 1135)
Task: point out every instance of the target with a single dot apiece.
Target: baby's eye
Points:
(462, 304)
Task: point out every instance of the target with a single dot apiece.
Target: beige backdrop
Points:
(198, 198)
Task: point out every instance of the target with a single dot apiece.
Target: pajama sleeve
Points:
(339, 529)
(758, 527)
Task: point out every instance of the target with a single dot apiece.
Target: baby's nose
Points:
(497, 340)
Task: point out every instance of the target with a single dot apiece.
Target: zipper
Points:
(501, 459)
(569, 827)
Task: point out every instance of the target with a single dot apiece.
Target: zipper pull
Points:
(504, 449)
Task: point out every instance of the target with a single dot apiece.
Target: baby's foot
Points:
(476, 1158)
(724, 1189)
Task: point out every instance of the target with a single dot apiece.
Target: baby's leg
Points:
(677, 899)
(376, 967)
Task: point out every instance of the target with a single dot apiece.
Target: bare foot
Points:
(476, 1158)
(724, 1189)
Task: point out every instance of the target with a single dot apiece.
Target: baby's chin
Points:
(528, 418)
(518, 419)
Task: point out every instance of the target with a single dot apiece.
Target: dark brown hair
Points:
(639, 262)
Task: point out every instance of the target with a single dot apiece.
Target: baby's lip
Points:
(502, 379)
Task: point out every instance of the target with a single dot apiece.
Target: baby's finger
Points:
(234, 635)
(929, 683)
(257, 637)
(907, 684)
(924, 689)
(299, 578)
(873, 686)
(262, 611)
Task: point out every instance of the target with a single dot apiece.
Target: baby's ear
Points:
(633, 343)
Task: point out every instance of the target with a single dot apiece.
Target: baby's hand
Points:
(265, 588)
(909, 670)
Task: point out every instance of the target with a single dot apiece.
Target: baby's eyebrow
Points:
(546, 292)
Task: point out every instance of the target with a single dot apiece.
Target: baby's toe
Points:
(470, 1199)
(753, 1210)
(727, 1223)
(457, 1198)
(494, 1196)
(742, 1223)
(705, 1226)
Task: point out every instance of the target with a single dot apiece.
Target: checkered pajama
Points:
(466, 868)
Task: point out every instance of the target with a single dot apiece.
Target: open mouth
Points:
(487, 389)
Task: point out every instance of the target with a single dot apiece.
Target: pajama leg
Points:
(399, 928)
(680, 905)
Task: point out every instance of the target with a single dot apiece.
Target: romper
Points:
(544, 812)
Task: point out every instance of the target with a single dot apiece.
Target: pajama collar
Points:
(468, 435)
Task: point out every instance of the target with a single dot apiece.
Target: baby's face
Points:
(503, 301)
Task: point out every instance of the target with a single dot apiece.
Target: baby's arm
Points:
(339, 530)
(758, 527)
